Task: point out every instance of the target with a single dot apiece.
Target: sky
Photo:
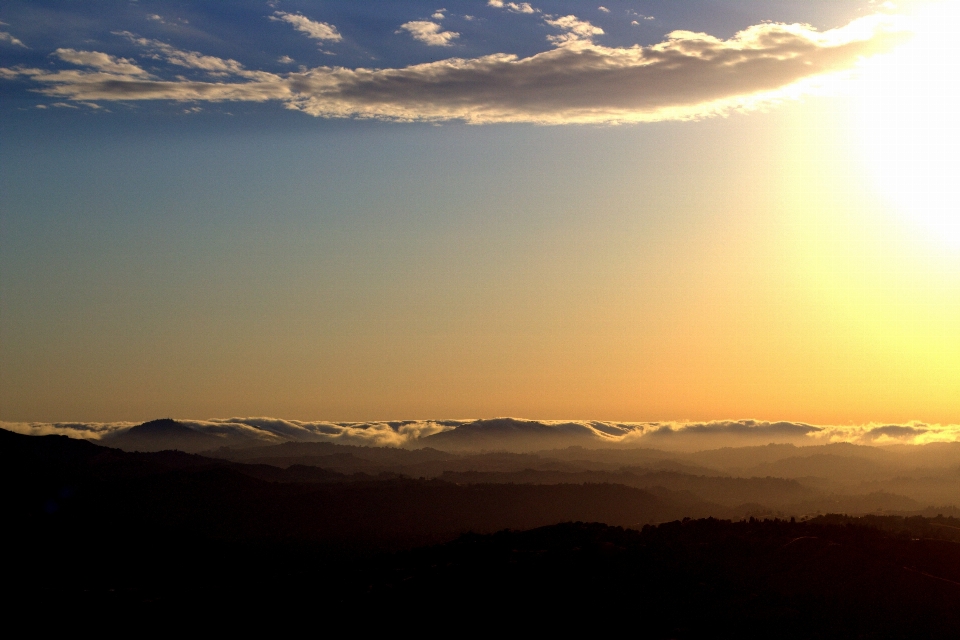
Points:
(635, 211)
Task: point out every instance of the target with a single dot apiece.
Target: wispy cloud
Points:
(688, 75)
(10, 39)
(188, 59)
(312, 28)
(154, 17)
(640, 16)
(101, 62)
(429, 33)
(515, 7)
(575, 30)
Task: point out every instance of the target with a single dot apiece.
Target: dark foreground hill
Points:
(691, 579)
(99, 538)
(55, 488)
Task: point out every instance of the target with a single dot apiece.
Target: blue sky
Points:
(552, 63)
(192, 226)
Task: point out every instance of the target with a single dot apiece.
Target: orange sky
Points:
(770, 264)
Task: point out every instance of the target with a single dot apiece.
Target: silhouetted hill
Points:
(779, 482)
(300, 450)
(34, 462)
(96, 489)
(772, 492)
(119, 540)
(694, 579)
(159, 435)
(27, 450)
(833, 577)
(509, 434)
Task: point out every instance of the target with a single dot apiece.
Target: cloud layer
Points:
(688, 75)
(411, 433)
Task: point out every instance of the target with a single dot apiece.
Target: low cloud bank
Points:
(416, 433)
(688, 75)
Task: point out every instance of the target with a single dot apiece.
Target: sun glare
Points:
(908, 119)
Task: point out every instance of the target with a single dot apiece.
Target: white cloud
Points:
(688, 75)
(515, 7)
(429, 33)
(577, 30)
(603, 9)
(438, 14)
(192, 59)
(663, 435)
(101, 62)
(158, 18)
(312, 28)
(285, 60)
(8, 38)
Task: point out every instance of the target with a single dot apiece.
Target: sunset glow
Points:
(909, 127)
(482, 315)
(552, 213)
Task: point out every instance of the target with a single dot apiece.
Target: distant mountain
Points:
(167, 434)
(160, 435)
(98, 491)
(289, 453)
(34, 452)
(510, 434)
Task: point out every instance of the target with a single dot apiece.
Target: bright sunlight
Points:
(909, 106)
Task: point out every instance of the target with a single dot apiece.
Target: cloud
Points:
(10, 39)
(688, 75)
(429, 33)
(79, 430)
(895, 432)
(689, 436)
(751, 428)
(212, 65)
(577, 30)
(312, 28)
(515, 7)
(603, 9)
(101, 62)
(640, 16)
(259, 430)
(188, 59)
